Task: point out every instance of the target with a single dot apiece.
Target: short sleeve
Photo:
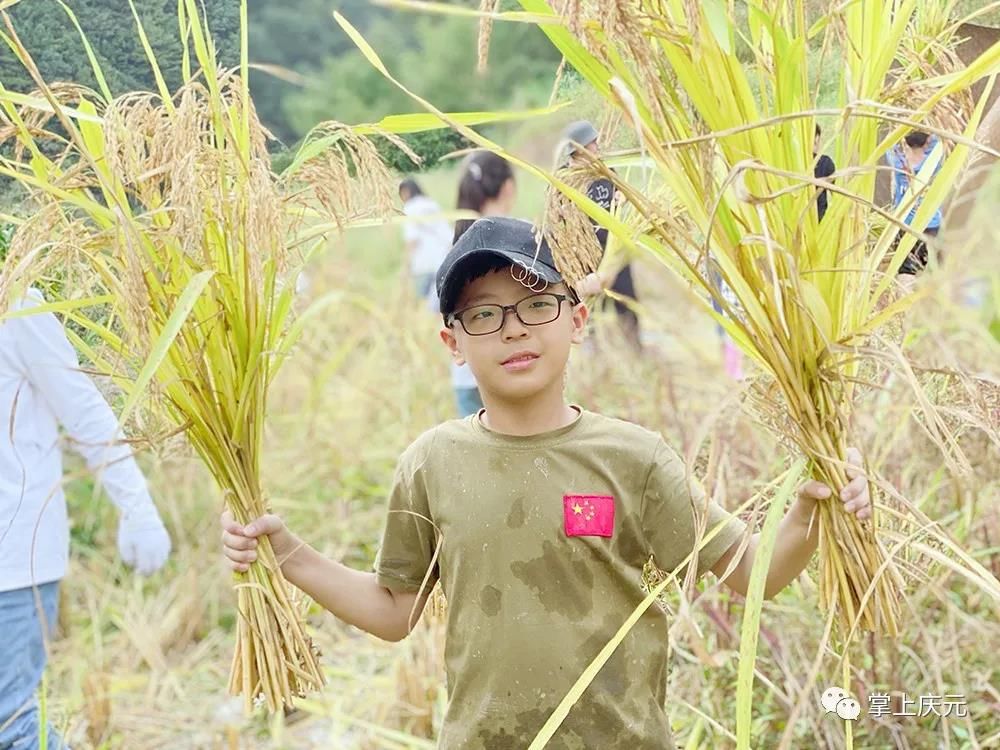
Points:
(409, 537)
(671, 503)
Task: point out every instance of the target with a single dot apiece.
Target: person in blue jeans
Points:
(907, 162)
(27, 619)
(41, 389)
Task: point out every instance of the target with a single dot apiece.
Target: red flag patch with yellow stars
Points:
(588, 515)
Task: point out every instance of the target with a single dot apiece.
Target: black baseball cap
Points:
(512, 240)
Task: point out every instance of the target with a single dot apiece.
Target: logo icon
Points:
(588, 515)
(839, 701)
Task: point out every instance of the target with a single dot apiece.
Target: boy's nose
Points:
(512, 326)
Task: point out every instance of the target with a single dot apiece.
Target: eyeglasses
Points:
(535, 310)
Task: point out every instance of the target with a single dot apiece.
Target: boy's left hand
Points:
(855, 495)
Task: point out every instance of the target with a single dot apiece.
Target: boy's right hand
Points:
(239, 543)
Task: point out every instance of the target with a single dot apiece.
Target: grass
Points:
(361, 386)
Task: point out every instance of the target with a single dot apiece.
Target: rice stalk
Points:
(569, 232)
(750, 628)
(166, 210)
(736, 157)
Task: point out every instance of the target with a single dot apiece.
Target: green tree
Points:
(439, 64)
(53, 42)
(297, 36)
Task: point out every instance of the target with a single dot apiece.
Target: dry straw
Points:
(183, 246)
(569, 231)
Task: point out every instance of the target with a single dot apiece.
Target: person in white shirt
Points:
(427, 240)
(42, 388)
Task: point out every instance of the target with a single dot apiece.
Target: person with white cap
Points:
(582, 136)
(41, 388)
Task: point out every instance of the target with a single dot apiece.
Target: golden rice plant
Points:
(724, 114)
(183, 248)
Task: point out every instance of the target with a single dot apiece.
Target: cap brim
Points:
(451, 288)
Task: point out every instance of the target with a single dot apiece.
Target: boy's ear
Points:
(580, 317)
(448, 337)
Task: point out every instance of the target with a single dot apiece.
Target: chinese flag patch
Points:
(588, 515)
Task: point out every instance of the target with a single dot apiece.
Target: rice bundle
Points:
(724, 112)
(166, 205)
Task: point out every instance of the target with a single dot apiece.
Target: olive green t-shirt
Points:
(542, 545)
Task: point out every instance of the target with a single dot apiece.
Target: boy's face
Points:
(518, 361)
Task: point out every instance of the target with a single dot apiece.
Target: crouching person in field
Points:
(537, 517)
(41, 389)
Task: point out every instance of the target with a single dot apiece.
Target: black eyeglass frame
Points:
(450, 320)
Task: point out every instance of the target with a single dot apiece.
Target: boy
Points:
(546, 514)
(42, 387)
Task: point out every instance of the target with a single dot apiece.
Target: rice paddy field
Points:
(160, 215)
(143, 664)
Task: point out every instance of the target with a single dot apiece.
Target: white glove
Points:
(143, 541)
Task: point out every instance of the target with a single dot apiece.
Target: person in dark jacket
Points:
(823, 169)
(579, 136)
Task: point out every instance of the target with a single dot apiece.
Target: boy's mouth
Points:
(519, 361)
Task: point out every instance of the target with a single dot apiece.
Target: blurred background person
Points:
(907, 161)
(823, 169)
(427, 240)
(578, 137)
(486, 186)
(41, 389)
